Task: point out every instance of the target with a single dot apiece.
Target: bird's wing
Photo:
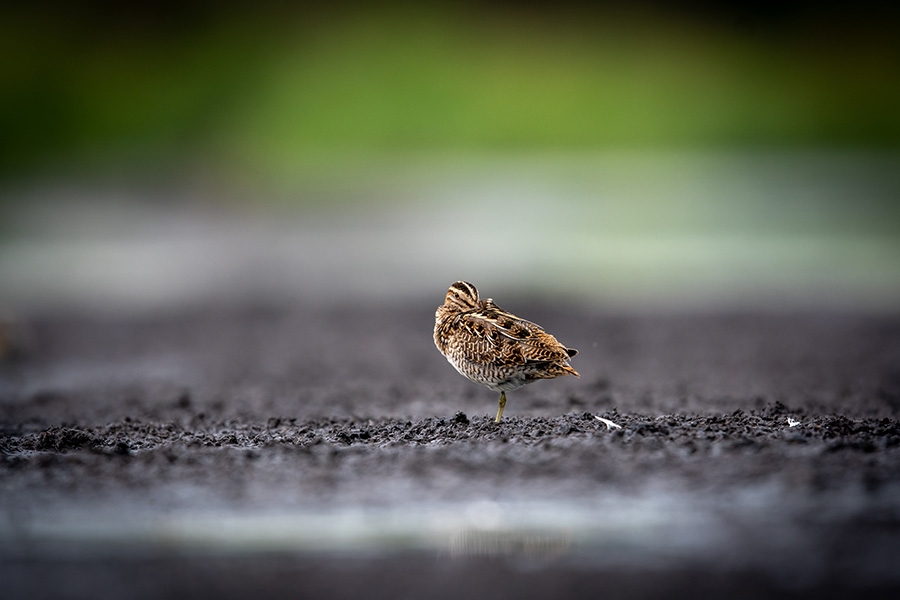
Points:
(505, 338)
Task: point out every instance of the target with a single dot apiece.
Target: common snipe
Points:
(493, 347)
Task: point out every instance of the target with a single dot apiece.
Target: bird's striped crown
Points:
(461, 296)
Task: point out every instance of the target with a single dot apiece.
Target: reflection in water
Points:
(487, 531)
(521, 544)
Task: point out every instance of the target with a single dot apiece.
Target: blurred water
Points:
(657, 230)
(625, 526)
(758, 528)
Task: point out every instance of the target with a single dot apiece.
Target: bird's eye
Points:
(455, 295)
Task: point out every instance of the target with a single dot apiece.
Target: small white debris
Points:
(792, 422)
(609, 424)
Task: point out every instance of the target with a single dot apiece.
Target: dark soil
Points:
(758, 455)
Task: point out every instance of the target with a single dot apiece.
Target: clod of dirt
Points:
(63, 439)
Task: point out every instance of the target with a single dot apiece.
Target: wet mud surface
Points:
(749, 454)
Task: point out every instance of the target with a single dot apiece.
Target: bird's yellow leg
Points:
(502, 406)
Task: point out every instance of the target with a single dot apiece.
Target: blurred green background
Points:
(641, 148)
(278, 88)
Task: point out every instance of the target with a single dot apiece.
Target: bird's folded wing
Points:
(503, 338)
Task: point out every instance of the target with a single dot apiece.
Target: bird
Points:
(493, 347)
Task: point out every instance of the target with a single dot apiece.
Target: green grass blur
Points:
(288, 93)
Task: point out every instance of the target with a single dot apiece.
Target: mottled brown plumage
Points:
(493, 347)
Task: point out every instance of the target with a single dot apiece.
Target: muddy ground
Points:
(332, 452)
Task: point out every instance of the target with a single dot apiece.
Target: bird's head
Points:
(461, 296)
